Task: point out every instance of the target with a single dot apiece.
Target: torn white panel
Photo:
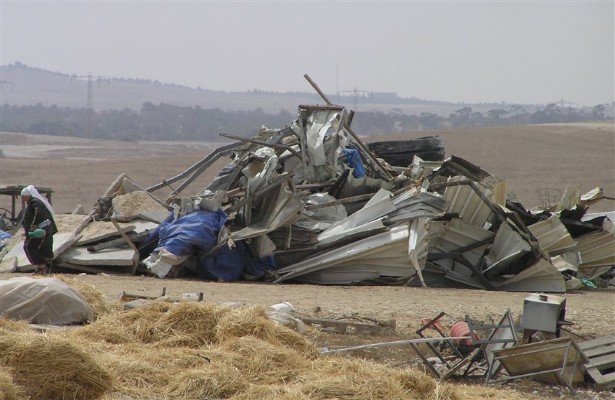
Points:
(318, 124)
(552, 235)
(320, 219)
(499, 189)
(591, 197)
(418, 245)
(569, 199)
(507, 249)
(540, 277)
(282, 209)
(420, 168)
(464, 201)
(380, 245)
(379, 205)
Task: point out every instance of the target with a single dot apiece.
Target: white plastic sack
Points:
(43, 301)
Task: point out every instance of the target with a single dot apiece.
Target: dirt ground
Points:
(537, 161)
(533, 159)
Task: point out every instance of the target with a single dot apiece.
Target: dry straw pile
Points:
(196, 351)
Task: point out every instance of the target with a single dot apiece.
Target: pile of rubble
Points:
(311, 203)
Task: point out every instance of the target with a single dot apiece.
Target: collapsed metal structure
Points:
(314, 198)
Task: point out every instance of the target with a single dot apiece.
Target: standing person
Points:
(39, 226)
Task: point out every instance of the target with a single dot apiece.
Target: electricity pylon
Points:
(90, 79)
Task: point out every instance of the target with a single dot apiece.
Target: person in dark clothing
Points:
(39, 226)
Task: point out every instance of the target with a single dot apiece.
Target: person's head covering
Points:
(31, 191)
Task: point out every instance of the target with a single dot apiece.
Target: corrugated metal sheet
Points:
(377, 247)
(450, 236)
(508, 248)
(463, 200)
(540, 277)
(597, 249)
(552, 235)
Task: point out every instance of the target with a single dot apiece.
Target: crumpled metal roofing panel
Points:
(464, 201)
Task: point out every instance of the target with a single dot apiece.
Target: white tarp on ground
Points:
(43, 301)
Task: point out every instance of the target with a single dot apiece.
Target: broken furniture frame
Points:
(461, 359)
(556, 361)
(601, 355)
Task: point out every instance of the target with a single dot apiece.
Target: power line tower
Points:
(90, 80)
(355, 96)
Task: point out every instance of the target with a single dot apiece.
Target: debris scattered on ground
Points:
(312, 203)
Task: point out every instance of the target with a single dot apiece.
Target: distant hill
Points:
(25, 85)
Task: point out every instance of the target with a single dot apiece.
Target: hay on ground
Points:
(8, 389)
(218, 381)
(92, 296)
(253, 321)
(272, 392)
(264, 363)
(53, 367)
(12, 326)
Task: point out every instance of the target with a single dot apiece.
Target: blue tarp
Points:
(353, 159)
(4, 235)
(190, 233)
(197, 234)
(228, 264)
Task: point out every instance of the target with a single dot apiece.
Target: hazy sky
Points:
(461, 51)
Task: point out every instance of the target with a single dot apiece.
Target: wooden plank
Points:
(343, 326)
(599, 351)
(601, 341)
(603, 382)
(130, 243)
(601, 354)
(601, 362)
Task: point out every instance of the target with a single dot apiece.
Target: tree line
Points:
(169, 122)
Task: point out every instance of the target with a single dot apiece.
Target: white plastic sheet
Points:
(43, 301)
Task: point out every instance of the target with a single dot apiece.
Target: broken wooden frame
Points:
(601, 355)
(556, 361)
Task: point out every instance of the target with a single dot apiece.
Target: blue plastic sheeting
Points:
(228, 264)
(191, 233)
(197, 234)
(353, 159)
(4, 235)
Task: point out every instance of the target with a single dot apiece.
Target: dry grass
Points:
(195, 350)
(53, 367)
(92, 296)
(8, 389)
